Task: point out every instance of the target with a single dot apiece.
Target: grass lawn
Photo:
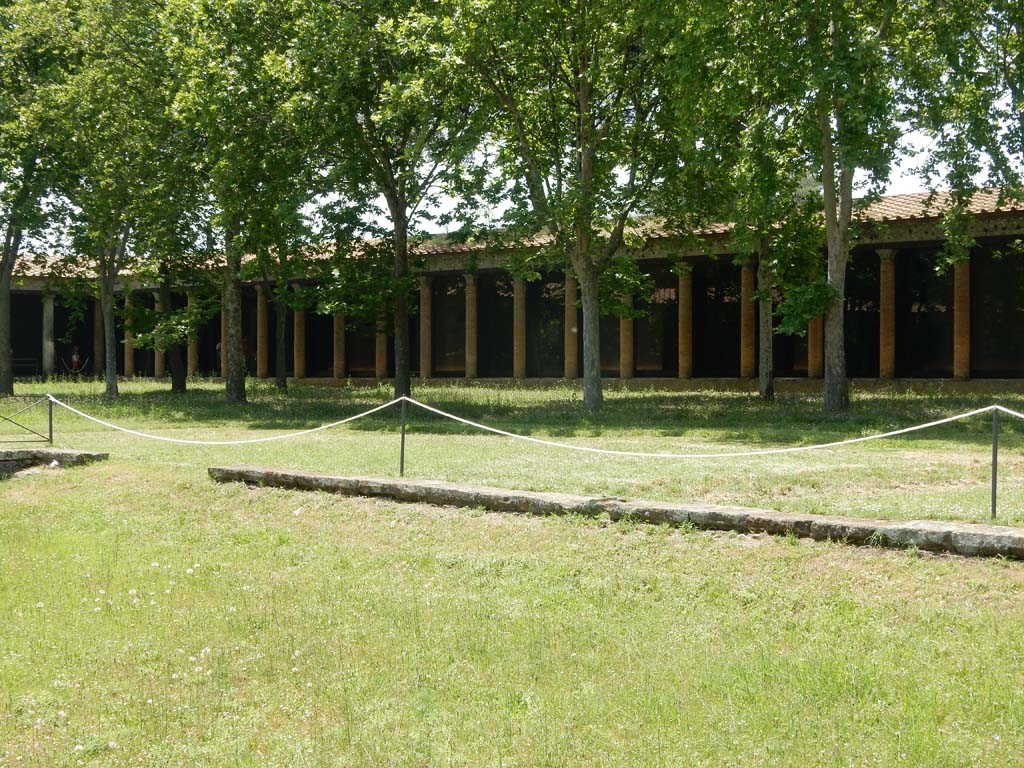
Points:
(151, 617)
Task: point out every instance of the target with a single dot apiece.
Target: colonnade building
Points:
(905, 317)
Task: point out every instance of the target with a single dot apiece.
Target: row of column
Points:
(747, 351)
(748, 328)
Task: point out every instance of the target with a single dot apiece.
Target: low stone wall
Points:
(16, 459)
(969, 539)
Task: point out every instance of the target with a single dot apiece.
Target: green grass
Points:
(151, 617)
(941, 473)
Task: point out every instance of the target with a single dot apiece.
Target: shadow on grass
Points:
(726, 417)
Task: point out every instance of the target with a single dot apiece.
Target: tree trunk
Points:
(766, 356)
(175, 361)
(6, 353)
(592, 395)
(280, 340)
(234, 386)
(403, 350)
(23, 200)
(109, 336)
(837, 387)
(837, 191)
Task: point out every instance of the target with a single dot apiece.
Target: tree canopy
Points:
(159, 135)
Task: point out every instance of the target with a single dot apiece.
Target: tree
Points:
(581, 88)
(395, 121)
(112, 115)
(34, 58)
(967, 60)
(767, 195)
(235, 64)
(847, 93)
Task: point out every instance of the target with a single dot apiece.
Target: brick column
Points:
(472, 369)
(340, 367)
(98, 348)
(519, 328)
(262, 333)
(159, 355)
(381, 351)
(626, 355)
(748, 320)
(223, 342)
(685, 325)
(426, 327)
(49, 351)
(299, 344)
(886, 313)
(572, 363)
(129, 338)
(962, 320)
(193, 343)
(816, 348)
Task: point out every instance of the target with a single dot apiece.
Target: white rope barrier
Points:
(540, 441)
(721, 455)
(182, 441)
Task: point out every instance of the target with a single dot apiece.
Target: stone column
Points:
(571, 354)
(886, 313)
(262, 333)
(381, 351)
(816, 348)
(129, 338)
(626, 355)
(299, 344)
(223, 342)
(49, 351)
(686, 325)
(962, 320)
(340, 367)
(159, 355)
(472, 369)
(193, 343)
(748, 320)
(98, 346)
(426, 327)
(519, 328)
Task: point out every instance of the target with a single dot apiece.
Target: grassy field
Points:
(150, 617)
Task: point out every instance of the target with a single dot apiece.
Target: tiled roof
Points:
(924, 205)
(921, 206)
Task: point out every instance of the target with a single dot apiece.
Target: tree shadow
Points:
(723, 417)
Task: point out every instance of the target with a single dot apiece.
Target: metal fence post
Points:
(995, 457)
(401, 454)
(49, 406)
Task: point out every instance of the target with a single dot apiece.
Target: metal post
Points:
(401, 454)
(995, 457)
(49, 406)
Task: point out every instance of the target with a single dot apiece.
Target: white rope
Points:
(77, 412)
(1007, 410)
(549, 443)
(731, 454)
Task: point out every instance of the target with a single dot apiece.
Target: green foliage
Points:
(623, 277)
(802, 302)
(163, 330)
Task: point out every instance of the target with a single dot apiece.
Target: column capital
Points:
(886, 254)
